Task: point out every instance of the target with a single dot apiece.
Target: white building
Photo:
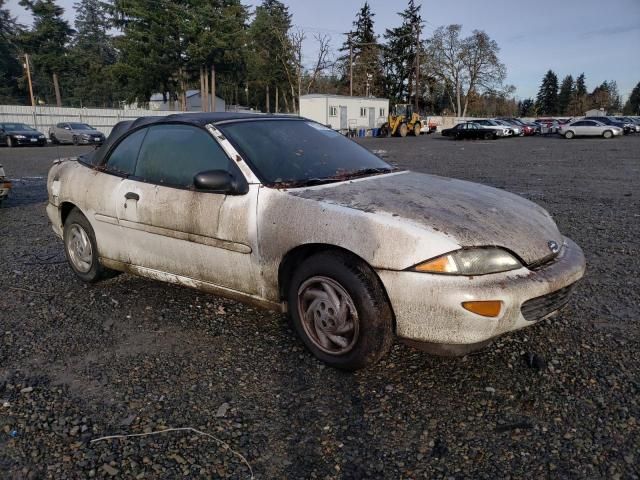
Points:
(194, 103)
(342, 112)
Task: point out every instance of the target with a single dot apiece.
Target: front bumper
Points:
(428, 307)
(29, 141)
(91, 141)
(55, 217)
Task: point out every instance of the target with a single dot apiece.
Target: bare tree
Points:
(464, 65)
(300, 79)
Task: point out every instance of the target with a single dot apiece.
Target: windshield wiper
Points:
(340, 177)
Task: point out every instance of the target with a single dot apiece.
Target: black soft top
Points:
(200, 119)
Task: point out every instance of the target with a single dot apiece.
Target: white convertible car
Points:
(282, 212)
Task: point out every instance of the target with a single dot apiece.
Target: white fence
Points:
(41, 118)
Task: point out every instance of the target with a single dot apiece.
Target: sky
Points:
(598, 37)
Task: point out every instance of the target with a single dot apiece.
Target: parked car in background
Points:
(230, 204)
(5, 185)
(611, 122)
(548, 125)
(503, 130)
(629, 123)
(75, 133)
(589, 128)
(470, 130)
(515, 128)
(16, 134)
(525, 127)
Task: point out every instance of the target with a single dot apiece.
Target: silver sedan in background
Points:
(589, 128)
(76, 133)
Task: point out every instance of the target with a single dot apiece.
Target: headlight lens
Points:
(19, 136)
(473, 261)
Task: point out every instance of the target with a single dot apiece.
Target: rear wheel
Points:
(340, 311)
(403, 130)
(385, 131)
(489, 135)
(75, 140)
(54, 140)
(607, 134)
(569, 134)
(81, 248)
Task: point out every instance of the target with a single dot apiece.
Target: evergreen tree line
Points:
(123, 51)
(571, 98)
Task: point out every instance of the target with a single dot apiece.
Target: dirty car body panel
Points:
(235, 244)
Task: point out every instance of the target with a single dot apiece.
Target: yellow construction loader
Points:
(402, 121)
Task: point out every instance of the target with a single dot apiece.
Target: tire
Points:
(402, 130)
(489, 136)
(75, 140)
(10, 143)
(416, 129)
(78, 235)
(385, 131)
(326, 284)
(54, 140)
(569, 135)
(607, 134)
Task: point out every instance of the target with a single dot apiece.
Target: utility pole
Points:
(417, 65)
(56, 88)
(26, 65)
(213, 89)
(350, 66)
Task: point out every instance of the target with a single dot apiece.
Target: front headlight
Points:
(86, 135)
(472, 261)
(41, 137)
(21, 137)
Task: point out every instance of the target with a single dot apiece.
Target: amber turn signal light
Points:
(489, 308)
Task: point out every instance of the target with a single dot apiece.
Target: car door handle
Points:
(132, 196)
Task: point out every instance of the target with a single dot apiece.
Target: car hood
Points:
(23, 132)
(469, 213)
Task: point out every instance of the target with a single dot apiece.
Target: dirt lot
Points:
(559, 400)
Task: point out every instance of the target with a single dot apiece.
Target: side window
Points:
(363, 111)
(333, 111)
(381, 112)
(174, 154)
(123, 158)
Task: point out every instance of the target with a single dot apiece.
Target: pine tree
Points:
(526, 108)
(632, 106)
(581, 86)
(10, 66)
(547, 99)
(578, 104)
(367, 58)
(269, 53)
(567, 92)
(47, 44)
(92, 54)
(400, 54)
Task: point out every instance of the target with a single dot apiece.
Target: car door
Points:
(580, 127)
(104, 185)
(170, 227)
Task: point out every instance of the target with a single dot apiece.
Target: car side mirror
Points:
(220, 181)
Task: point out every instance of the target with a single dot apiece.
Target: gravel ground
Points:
(129, 355)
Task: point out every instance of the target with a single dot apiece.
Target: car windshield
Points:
(80, 126)
(290, 153)
(15, 127)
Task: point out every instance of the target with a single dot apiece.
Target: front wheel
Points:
(10, 143)
(81, 249)
(340, 311)
(403, 130)
(416, 129)
(75, 140)
(489, 136)
(607, 134)
(569, 135)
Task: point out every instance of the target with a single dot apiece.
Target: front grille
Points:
(540, 307)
